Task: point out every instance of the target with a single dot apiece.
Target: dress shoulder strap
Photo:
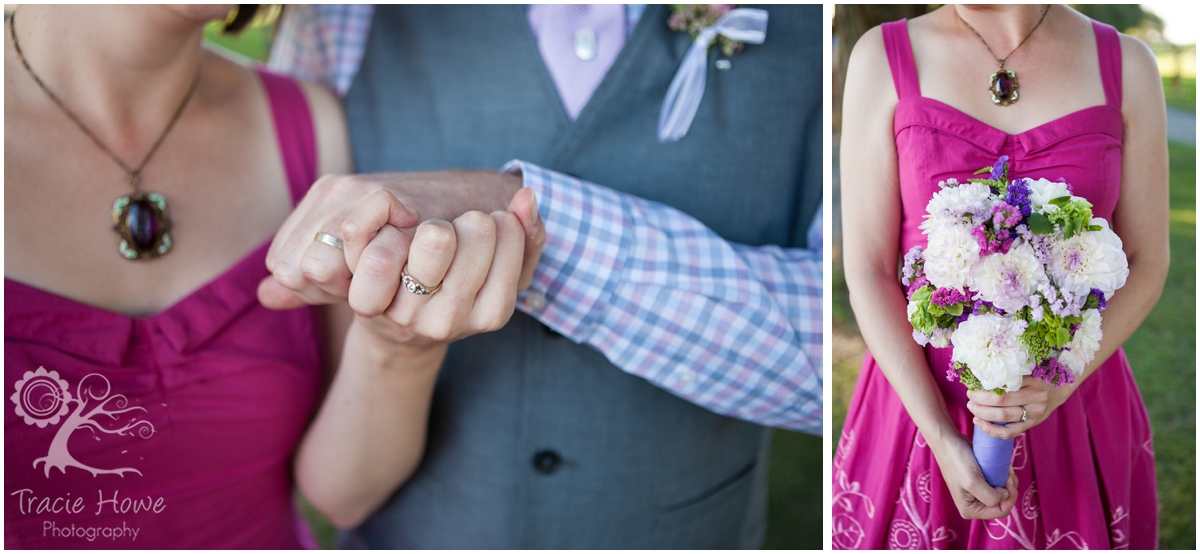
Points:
(900, 58)
(1108, 47)
(293, 130)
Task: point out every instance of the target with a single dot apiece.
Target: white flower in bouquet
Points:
(990, 345)
(1089, 260)
(1009, 280)
(940, 338)
(958, 205)
(1084, 344)
(951, 254)
(1042, 191)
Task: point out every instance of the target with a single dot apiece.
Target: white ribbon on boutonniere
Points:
(687, 88)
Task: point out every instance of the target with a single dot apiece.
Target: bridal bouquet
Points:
(1015, 276)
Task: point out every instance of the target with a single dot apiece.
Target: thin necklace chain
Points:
(134, 173)
(1000, 60)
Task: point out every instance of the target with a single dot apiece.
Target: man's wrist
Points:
(450, 193)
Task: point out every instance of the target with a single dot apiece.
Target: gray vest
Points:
(535, 441)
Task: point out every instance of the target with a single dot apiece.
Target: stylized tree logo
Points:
(42, 398)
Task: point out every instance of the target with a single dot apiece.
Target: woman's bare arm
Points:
(369, 434)
(871, 215)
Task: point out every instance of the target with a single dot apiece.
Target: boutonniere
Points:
(723, 24)
(693, 18)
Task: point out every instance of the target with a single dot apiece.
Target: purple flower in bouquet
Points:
(949, 297)
(995, 235)
(1005, 215)
(1018, 196)
(914, 262)
(1054, 372)
(992, 242)
(1039, 243)
(982, 307)
(998, 168)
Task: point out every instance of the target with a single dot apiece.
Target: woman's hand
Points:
(973, 497)
(1036, 398)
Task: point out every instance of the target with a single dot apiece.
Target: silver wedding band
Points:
(329, 239)
(1024, 415)
(414, 286)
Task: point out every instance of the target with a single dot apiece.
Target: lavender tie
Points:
(579, 43)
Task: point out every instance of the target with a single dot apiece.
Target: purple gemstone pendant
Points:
(143, 224)
(1004, 87)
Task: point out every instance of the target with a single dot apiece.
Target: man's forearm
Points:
(732, 328)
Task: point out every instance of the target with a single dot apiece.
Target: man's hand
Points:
(357, 208)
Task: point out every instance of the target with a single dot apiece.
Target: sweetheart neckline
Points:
(234, 268)
(976, 121)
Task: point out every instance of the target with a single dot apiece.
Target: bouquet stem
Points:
(994, 456)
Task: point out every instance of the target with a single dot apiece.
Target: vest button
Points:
(547, 462)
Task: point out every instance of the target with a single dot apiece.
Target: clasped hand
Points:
(1035, 400)
(1033, 403)
(480, 260)
(972, 495)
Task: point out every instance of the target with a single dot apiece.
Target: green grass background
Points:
(1163, 356)
(1183, 96)
(794, 515)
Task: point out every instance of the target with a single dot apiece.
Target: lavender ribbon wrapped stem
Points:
(994, 456)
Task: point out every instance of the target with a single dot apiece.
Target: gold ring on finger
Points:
(414, 286)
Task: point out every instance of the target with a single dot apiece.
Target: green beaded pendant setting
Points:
(1004, 87)
(143, 224)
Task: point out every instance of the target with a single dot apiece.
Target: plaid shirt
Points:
(732, 328)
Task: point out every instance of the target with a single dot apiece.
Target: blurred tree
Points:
(1122, 16)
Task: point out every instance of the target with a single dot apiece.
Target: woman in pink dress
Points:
(152, 401)
(1090, 111)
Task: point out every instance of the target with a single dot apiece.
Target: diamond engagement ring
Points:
(329, 239)
(1024, 415)
(414, 286)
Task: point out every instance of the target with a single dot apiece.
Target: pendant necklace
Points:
(1003, 83)
(140, 218)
